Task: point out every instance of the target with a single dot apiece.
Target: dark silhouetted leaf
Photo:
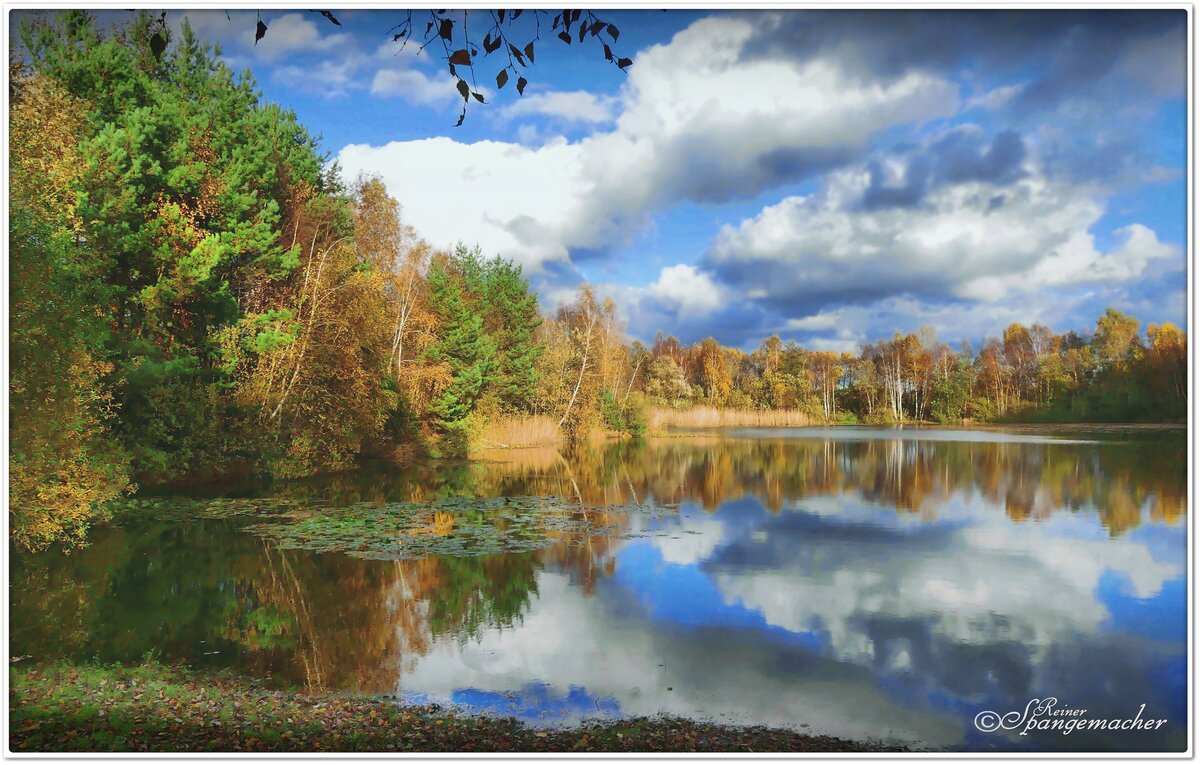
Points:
(529, 51)
(398, 37)
(597, 27)
(460, 57)
(575, 14)
(501, 14)
(428, 28)
(582, 31)
(331, 18)
(521, 83)
(501, 78)
(478, 98)
(259, 31)
(565, 37)
(461, 117)
(607, 52)
(493, 45)
(516, 14)
(624, 62)
(613, 32)
(516, 53)
(463, 88)
(158, 44)
(557, 19)
(446, 30)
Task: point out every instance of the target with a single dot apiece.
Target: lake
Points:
(885, 584)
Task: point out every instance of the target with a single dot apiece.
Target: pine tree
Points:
(511, 319)
(464, 346)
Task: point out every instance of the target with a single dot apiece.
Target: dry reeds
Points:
(660, 419)
(506, 432)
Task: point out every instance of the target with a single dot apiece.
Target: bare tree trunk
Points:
(406, 309)
(587, 347)
(312, 315)
(632, 377)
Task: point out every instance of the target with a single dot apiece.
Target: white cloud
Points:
(1018, 571)
(824, 320)
(995, 98)
(703, 118)
(299, 50)
(694, 542)
(291, 33)
(687, 290)
(478, 193)
(576, 106)
(331, 77)
(529, 135)
(1079, 261)
(577, 644)
(972, 240)
(302, 51)
(413, 86)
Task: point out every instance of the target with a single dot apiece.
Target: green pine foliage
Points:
(183, 181)
(511, 318)
(464, 347)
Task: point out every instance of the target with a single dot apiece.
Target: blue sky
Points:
(829, 176)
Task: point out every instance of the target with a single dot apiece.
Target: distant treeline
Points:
(195, 291)
(1029, 374)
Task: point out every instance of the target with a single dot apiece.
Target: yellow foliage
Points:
(62, 468)
(63, 465)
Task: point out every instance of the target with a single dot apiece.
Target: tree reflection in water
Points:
(205, 592)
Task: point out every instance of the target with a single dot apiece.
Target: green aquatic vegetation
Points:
(183, 508)
(456, 526)
(452, 527)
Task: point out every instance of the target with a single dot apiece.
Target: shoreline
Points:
(154, 707)
(1097, 427)
(670, 430)
(495, 451)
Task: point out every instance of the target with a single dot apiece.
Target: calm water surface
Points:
(884, 584)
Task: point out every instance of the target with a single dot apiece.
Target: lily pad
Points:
(458, 526)
(455, 527)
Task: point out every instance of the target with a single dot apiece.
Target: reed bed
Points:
(507, 432)
(659, 418)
